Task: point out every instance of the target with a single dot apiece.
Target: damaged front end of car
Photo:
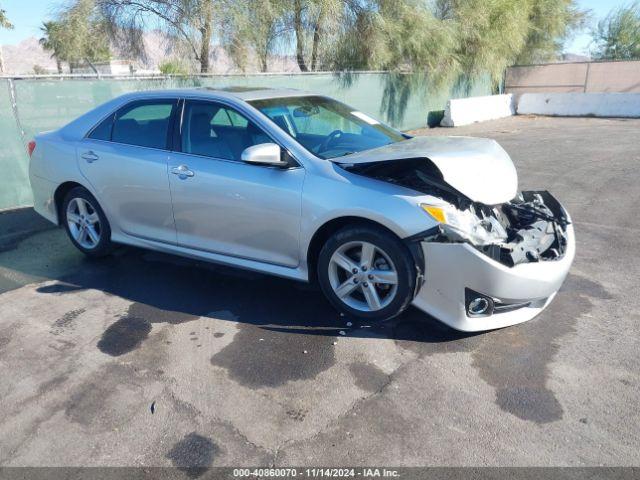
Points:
(529, 228)
(532, 227)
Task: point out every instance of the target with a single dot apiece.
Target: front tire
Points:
(86, 223)
(367, 272)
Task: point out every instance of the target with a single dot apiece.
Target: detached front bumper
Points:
(452, 268)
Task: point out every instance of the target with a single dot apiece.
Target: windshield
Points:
(325, 127)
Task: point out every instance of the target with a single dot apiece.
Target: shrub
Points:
(173, 67)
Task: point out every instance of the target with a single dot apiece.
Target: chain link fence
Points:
(31, 104)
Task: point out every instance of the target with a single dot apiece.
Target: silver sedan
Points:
(305, 187)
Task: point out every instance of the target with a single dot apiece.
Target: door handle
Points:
(90, 156)
(182, 171)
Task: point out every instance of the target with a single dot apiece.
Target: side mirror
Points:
(264, 154)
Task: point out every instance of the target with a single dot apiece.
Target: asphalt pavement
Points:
(146, 359)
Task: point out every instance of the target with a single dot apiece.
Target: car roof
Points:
(242, 93)
(260, 93)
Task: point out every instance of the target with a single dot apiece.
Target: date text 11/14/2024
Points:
(364, 472)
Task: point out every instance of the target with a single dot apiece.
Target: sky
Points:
(28, 15)
(599, 9)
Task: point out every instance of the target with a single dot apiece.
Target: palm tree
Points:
(4, 23)
(51, 41)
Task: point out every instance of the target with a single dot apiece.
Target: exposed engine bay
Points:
(529, 228)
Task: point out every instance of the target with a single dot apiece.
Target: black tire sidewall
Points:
(393, 247)
(104, 245)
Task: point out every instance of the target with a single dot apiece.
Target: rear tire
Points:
(86, 223)
(367, 272)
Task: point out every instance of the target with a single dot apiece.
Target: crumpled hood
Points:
(477, 167)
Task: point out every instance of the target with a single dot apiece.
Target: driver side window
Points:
(214, 130)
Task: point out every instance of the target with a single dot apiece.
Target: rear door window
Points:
(145, 124)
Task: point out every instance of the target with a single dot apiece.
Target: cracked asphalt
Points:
(145, 359)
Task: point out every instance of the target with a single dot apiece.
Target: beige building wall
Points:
(587, 77)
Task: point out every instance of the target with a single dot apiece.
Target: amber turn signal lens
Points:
(435, 212)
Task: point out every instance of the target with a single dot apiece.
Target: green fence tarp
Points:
(14, 162)
(403, 101)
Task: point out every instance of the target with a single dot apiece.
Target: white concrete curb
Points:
(580, 104)
(463, 111)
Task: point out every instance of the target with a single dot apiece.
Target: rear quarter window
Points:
(103, 130)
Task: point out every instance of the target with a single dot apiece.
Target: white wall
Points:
(463, 111)
(580, 104)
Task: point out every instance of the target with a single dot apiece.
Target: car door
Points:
(223, 205)
(125, 160)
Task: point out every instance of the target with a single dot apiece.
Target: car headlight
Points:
(465, 225)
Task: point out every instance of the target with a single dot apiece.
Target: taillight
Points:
(31, 146)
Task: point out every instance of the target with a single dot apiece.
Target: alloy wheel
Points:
(84, 223)
(363, 276)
